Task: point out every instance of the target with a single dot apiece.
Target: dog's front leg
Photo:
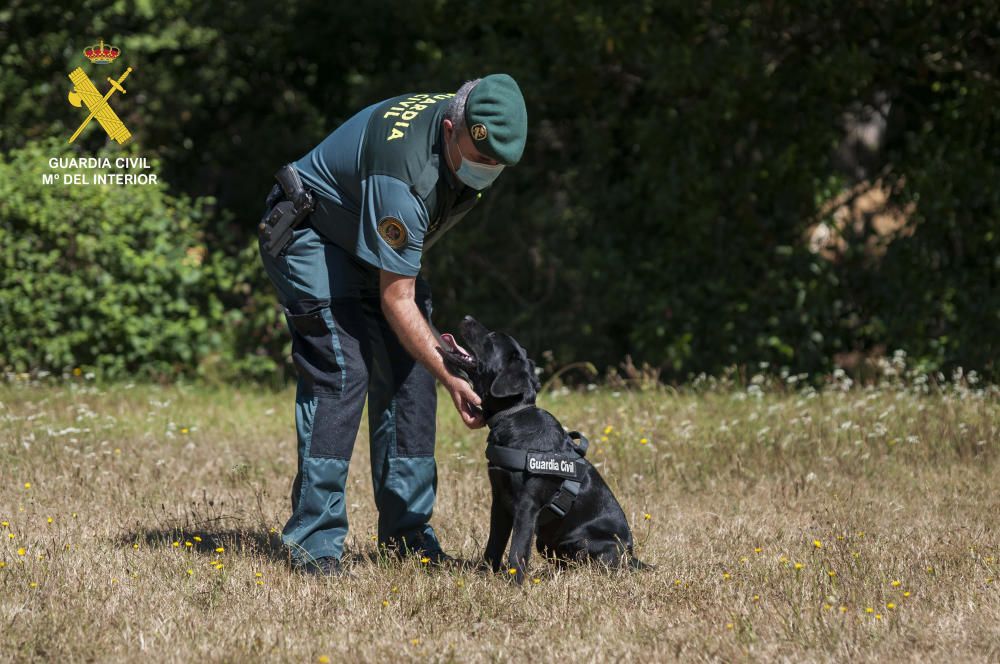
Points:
(525, 517)
(500, 525)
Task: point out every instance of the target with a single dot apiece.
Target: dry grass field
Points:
(784, 523)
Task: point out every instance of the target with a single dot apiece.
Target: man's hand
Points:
(407, 321)
(467, 403)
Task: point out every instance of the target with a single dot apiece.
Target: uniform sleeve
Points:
(393, 223)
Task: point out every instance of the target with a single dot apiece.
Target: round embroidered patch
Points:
(478, 131)
(393, 232)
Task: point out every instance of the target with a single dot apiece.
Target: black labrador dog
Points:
(541, 482)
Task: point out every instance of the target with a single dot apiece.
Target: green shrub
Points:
(118, 280)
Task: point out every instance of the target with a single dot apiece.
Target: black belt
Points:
(570, 466)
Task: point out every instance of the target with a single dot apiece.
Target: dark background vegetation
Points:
(681, 155)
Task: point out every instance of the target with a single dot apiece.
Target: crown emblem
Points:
(102, 54)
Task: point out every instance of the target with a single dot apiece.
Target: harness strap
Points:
(581, 442)
(565, 465)
(561, 503)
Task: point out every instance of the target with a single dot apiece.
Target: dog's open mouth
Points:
(455, 357)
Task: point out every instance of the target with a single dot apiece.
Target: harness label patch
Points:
(539, 463)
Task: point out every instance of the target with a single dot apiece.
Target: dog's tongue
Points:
(452, 344)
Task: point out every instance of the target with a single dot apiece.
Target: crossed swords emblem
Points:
(84, 92)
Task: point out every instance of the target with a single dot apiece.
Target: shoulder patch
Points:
(393, 232)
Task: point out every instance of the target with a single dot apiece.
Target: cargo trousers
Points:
(344, 351)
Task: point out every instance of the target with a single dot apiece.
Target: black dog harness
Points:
(571, 466)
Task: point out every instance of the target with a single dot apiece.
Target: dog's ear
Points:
(535, 383)
(517, 378)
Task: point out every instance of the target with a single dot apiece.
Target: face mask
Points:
(477, 176)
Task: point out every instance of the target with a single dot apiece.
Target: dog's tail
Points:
(637, 565)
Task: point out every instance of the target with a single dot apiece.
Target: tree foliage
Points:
(680, 154)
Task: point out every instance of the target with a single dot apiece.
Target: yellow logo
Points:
(478, 131)
(84, 92)
(393, 232)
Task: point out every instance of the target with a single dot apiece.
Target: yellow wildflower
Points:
(756, 598)
(817, 544)
(21, 551)
(32, 585)
(415, 642)
(890, 606)
(831, 573)
(757, 549)
(196, 538)
(906, 593)
(175, 544)
(799, 566)
(2, 564)
(27, 485)
(259, 575)
(49, 520)
(323, 659)
(843, 609)
(896, 584)
(729, 625)
(608, 429)
(726, 576)
(425, 560)
(188, 543)
(190, 572)
(647, 516)
(512, 571)
(536, 580)
(220, 549)
(869, 609)
(643, 441)
(385, 602)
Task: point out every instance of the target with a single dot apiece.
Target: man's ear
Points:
(515, 379)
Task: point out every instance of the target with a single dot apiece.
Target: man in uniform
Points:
(342, 243)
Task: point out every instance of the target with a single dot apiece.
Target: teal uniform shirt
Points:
(384, 191)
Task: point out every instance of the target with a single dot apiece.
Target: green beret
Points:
(497, 119)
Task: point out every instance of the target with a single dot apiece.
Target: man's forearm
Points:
(415, 334)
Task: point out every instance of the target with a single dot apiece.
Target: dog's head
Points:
(495, 364)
